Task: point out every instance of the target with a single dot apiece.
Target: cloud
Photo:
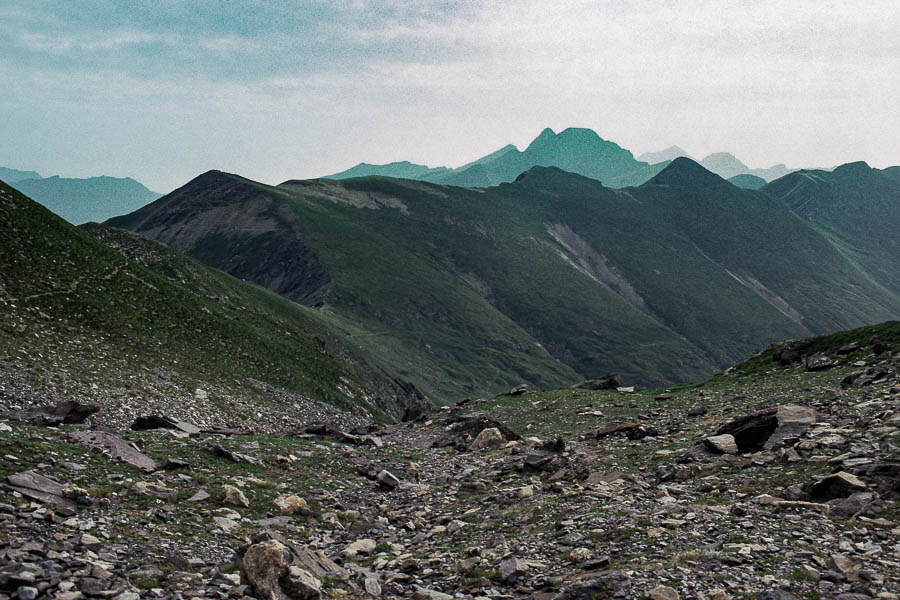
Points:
(445, 81)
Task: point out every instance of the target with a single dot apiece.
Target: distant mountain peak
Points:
(670, 153)
(859, 167)
(543, 139)
(579, 133)
(686, 172)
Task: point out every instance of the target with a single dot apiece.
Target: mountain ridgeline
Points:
(552, 277)
(576, 150)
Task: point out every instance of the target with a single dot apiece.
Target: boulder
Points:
(43, 489)
(289, 504)
(766, 429)
(115, 447)
(838, 485)
(68, 412)
(819, 362)
(235, 497)
(663, 592)
(512, 569)
(267, 568)
(462, 429)
(790, 352)
(156, 491)
(386, 479)
(608, 382)
(162, 422)
(363, 546)
(486, 438)
(300, 584)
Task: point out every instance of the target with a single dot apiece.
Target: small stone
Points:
(525, 492)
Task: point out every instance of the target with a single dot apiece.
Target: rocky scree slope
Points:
(547, 280)
(558, 495)
(121, 321)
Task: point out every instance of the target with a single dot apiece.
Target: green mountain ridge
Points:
(101, 305)
(856, 209)
(547, 279)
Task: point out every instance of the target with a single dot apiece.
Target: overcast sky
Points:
(162, 91)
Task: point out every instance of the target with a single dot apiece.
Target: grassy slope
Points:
(73, 303)
(857, 209)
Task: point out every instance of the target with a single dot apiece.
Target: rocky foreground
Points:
(777, 483)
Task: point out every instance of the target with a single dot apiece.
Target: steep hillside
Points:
(83, 200)
(544, 280)
(857, 209)
(108, 321)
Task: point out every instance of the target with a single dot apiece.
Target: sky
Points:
(162, 91)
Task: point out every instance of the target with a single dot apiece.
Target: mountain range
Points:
(552, 277)
(576, 150)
